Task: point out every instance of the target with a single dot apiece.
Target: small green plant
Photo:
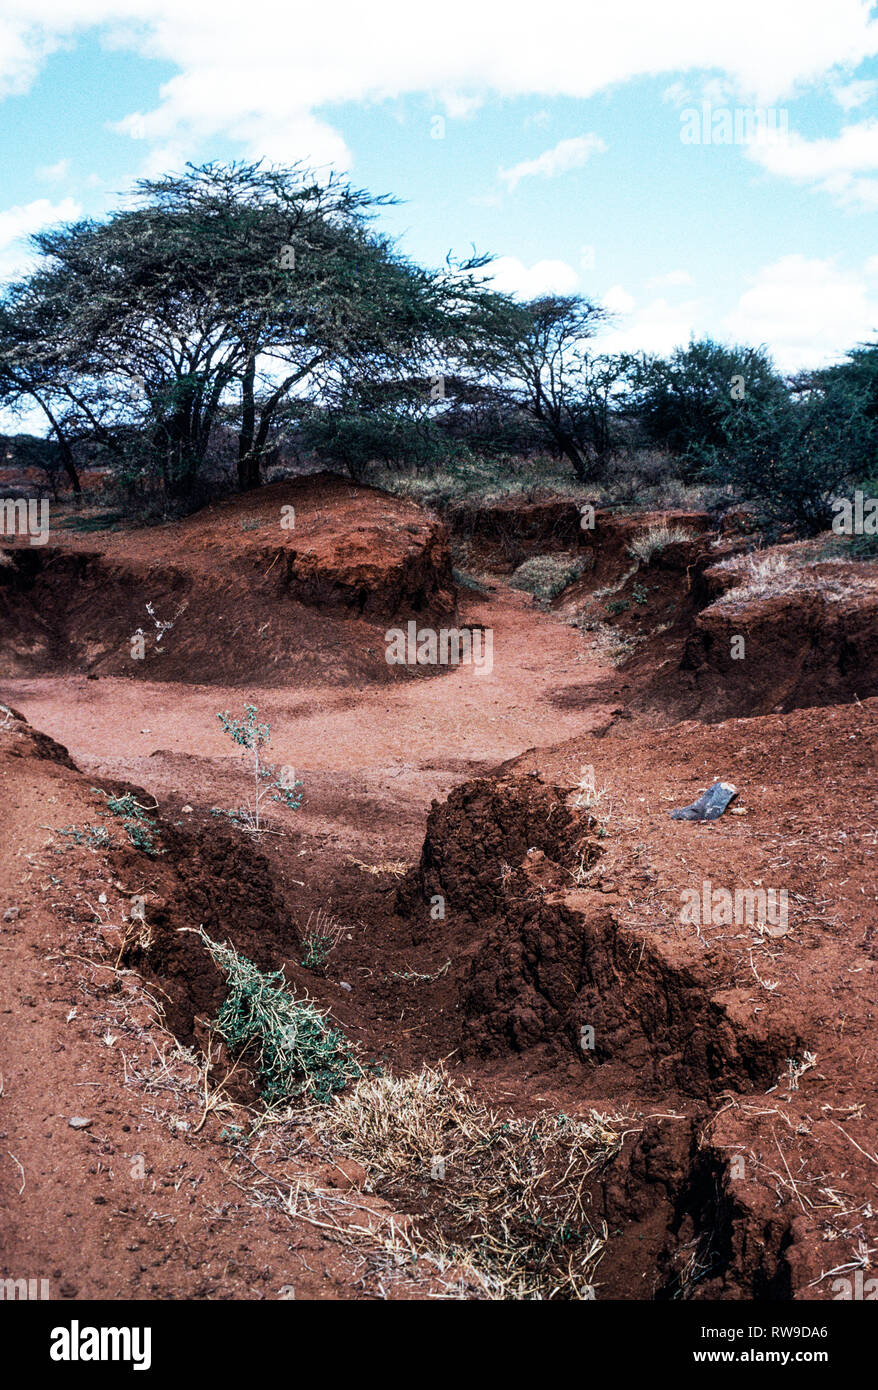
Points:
(234, 1134)
(95, 836)
(321, 939)
(138, 826)
(296, 1051)
(141, 838)
(639, 594)
(619, 605)
(252, 736)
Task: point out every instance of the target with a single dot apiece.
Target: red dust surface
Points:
(532, 799)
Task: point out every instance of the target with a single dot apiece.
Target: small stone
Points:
(343, 984)
(10, 914)
(187, 810)
(287, 1293)
(79, 1122)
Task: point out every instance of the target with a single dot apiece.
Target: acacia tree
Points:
(29, 374)
(536, 352)
(226, 292)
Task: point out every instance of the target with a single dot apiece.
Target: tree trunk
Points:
(248, 455)
(66, 452)
(70, 468)
(570, 451)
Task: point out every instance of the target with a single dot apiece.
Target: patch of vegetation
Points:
(546, 576)
(657, 539)
(792, 455)
(610, 642)
(482, 480)
(103, 521)
(468, 581)
(296, 1051)
(639, 594)
(94, 836)
(863, 547)
(139, 828)
(321, 939)
(685, 402)
(505, 1197)
(815, 566)
(252, 736)
(619, 605)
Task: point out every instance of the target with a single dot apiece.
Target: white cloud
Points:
(560, 159)
(807, 310)
(854, 94)
(263, 72)
(18, 223)
(459, 106)
(841, 165)
(54, 173)
(670, 280)
(618, 300)
(714, 90)
(512, 276)
(658, 327)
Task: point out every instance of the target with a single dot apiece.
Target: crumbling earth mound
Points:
(543, 952)
(804, 637)
(300, 578)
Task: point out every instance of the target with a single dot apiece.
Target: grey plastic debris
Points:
(79, 1122)
(710, 804)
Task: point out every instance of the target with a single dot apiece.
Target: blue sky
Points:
(559, 144)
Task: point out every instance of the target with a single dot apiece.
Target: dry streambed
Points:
(625, 1107)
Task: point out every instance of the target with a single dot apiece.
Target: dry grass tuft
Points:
(609, 643)
(502, 1201)
(656, 539)
(546, 576)
(793, 569)
(397, 867)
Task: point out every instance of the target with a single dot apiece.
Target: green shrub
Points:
(685, 402)
(792, 457)
(296, 1051)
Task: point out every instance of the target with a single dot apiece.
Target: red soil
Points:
(738, 1177)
